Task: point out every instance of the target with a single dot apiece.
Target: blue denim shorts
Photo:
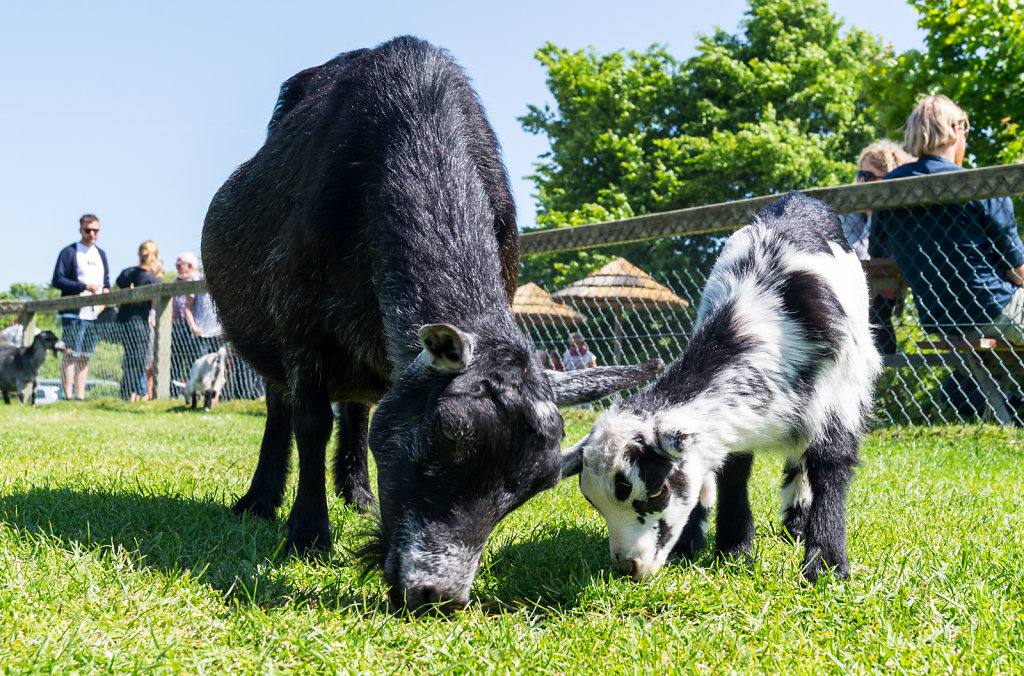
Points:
(79, 335)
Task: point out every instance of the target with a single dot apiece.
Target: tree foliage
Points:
(974, 55)
(780, 106)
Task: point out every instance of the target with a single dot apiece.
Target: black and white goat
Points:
(206, 377)
(19, 366)
(781, 360)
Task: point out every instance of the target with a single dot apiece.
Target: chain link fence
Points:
(630, 288)
(121, 351)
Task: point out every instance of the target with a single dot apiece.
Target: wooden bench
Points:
(982, 358)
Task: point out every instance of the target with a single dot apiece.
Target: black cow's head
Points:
(468, 432)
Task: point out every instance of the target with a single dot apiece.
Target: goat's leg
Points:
(692, 539)
(308, 525)
(266, 492)
(795, 497)
(7, 397)
(829, 471)
(735, 522)
(351, 475)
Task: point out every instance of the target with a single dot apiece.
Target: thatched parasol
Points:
(620, 286)
(533, 306)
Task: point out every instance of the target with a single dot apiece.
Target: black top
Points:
(129, 278)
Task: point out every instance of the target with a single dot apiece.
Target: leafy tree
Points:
(974, 55)
(30, 291)
(780, 106)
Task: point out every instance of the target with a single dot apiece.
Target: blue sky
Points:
(138, 111)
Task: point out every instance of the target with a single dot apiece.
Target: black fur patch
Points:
(623, 487)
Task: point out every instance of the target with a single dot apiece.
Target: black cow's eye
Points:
(658, 493)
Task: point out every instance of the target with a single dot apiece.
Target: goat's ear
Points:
(672, 442)
(579, 387)
(449, 349)
(572, 460)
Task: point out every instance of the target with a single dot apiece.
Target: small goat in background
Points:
(19, 366)
(781, 360)
(207, 376)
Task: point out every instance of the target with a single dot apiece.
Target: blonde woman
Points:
(134, 321)
(964, 261)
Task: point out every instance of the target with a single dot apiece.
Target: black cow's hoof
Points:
(360, 498)
(314, 543)
(256, 506)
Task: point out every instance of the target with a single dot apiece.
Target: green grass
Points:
(118, 554)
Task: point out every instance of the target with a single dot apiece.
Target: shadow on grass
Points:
(545, 570)
(240, 557)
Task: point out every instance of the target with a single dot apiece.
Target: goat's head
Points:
(51, 342)
(468, 432)
(645, 477)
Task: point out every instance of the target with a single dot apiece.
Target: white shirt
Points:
(90, 271)
(577, 362)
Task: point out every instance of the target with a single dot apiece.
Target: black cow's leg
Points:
(308, 525)
(829, 471)
(351, 475)
(795, 498)
(735, 521)
(266, 492)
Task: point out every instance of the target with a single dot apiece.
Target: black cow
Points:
(368, 253)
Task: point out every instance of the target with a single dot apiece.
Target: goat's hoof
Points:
(794, 532)
(248, 504)
(689, 546)
(742, 554)
(815, 568)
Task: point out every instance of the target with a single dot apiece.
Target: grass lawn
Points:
(118, 554)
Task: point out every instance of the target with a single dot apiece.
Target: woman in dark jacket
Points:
(134, 321)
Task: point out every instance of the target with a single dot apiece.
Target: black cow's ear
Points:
(448, 348)
(579, 387)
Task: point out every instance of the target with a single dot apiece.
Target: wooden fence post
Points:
(162, 347)
(28, 326)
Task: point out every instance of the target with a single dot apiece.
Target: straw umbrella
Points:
(533, 306)
(620, 285)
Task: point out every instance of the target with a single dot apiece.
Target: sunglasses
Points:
(868, 176)
(90, 229)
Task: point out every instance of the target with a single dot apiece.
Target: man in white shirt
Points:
(81, 270)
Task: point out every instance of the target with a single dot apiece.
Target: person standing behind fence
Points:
(203, 322)
(964, 261)
(133, 321)
(184, 350)
(577, 356)
(887, 289)
(81, 270)
(158, 272)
